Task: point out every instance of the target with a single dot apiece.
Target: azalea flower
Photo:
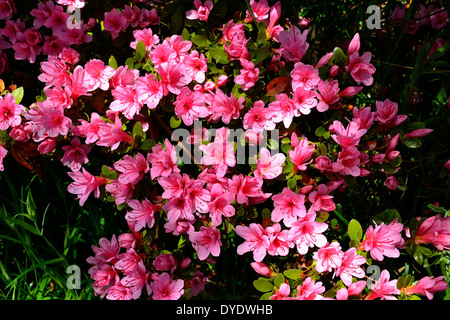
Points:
(288, 206)
(142, 213)
(84, 184)
(269, 167)
(301, 153)
(383, 240)
(256, 240)
(166, 288)
(10, 112)
(75, 155)
(202, 10)
(293, 44)
(206, 242)
(383, 288)
(328, 257)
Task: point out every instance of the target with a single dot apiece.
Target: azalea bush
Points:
(238, 145)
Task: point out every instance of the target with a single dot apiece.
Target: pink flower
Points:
(114, 22)
(324, 163)
(75, 155)
(98, 75)
(310, 290)
(383, 288)
(364, 117)
(166, 288)
(206, 242)
(259, 118)
(132, 169)
(225, 107)
(354, 289)
(269, 167)
(349, 159)
(327, 95)
(198, 282)
(427, 286)
(220, 153)
(288, 206)
(27, 45)
(53, 45)
(165, 262)
(3, 153)
(196, 65)
(148, 90)
(78, 83)
(119, 191)
(162, 54)
(105, 277)
(146, 36)
(350, 266)
(391, 182)
(307, 233)
(163, 162)
(272, 30)
(190, 106)
(220, 204)
(234, 41)
(439, 20)
(347, 137)
(72, 4)
(142, 213)
(256, 240)
(303, 100)
(283, 110)
(173, 77)
(84, 184)
(247, 189)
(434, 230)
(260, 11)
(248, 75)
(282, 293)
(279, 240)
(126, 101)
(321, 200)
(301, 154)
(10, 112)
(12, 28)
(328, 257)
(111, 134)
(305, 76)
(386, 114)
(54, 72)
(293, 44)
(202, 10)
(383, 240)
(7, 9)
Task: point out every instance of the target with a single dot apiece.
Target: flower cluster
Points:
(117, 111)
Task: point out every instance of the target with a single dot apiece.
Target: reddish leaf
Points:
(278, 85)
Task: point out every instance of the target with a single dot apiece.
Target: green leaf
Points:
(130, 63)
(355, 231)
(112, 62)
(338, 56)
(200, 40)
(293, 274)
(320, 131)
(110, 174)
(148, 144)
(279, 280)
(18, 94)
(387, 216)
(263, 285)
(413, 143)
(174, 122)
(138, 130)
(219, 55)
(141, 50)
(176, 21)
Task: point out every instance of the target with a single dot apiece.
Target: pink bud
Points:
(262, 269)
(334, 70)
(222, 80)
(354, 45)
(418, 133)
(350, 91)
(185, 263)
